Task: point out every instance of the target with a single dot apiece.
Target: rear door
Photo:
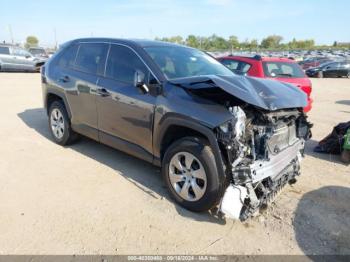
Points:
(80, 66)
(125, 112)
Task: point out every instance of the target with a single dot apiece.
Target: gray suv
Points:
(13, 58)
(220, 139)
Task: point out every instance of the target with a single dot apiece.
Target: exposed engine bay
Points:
(262, 144)
(263, 151)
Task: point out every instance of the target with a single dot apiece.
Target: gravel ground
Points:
(91, 199)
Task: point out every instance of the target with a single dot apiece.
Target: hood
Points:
(267, 94)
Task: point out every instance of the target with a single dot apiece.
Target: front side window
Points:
(282, 70)
(122, 63)
(91, 58)
(177, 62)
(4, 50)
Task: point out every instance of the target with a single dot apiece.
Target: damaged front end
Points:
(263, 140)
(263, 150)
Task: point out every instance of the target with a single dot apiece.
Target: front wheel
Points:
(190, 173)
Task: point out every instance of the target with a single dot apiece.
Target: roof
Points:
(261, 58)
(138, 42)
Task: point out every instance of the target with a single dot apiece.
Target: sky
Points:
(325, 21)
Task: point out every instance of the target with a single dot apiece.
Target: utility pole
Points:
(11, 34)
(55, 36)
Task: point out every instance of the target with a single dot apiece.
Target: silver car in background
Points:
(14, 58)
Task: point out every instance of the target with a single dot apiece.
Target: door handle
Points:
(103, 92)
(64, 79)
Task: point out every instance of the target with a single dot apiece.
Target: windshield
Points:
(177, 62)
(283, 69)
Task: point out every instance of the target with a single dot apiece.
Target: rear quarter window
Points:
(282, 70)
(67, 57)
(4, 50)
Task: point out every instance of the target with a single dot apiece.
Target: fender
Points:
(184, 121)
(59, 94)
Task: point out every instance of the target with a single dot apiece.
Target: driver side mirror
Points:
(139, 81)
(27, 56)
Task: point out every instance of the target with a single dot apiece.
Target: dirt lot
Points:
(90, 199)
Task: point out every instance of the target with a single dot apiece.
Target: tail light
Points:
(42, 73)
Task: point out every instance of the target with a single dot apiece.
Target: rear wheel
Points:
(59, 124)
(190, 173)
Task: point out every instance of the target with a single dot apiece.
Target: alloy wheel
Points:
(57, 123)
(187, 176)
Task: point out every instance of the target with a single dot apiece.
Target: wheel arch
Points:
(176, 127)
(56, 96)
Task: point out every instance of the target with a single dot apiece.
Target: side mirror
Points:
(27, 56)
(139, 81)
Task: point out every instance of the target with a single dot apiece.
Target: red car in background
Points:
(281, 69)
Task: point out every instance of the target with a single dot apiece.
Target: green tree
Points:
(272, 41)
(233, 41)
(31, 41)
(193, 41)
(254, 44)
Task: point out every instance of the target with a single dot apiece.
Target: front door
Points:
(125, 112)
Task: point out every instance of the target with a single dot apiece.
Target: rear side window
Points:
(236, 65)
(122, 64)
(91, 58)
(4, 50)
(67, 58)
(282, 69)
(231, 64)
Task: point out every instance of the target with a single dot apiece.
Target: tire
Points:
(192, 192)
(59, 124)
(348, 75)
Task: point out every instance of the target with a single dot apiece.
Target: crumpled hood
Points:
(266, 94)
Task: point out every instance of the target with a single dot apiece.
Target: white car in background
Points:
(14, 58)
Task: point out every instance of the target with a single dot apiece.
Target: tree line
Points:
(232, 43)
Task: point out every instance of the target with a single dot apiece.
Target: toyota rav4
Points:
(220, 139)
